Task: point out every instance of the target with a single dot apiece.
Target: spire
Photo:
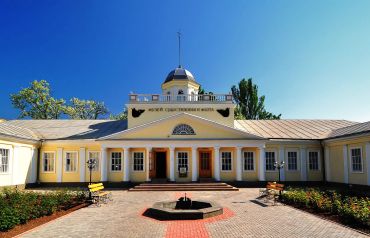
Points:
(179, 39)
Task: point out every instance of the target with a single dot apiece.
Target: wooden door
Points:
(205, 164)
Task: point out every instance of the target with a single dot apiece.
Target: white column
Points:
(34, 165)
(281, 159)
(59, 164)
(126, 164)
(239, 163)
(217, 175)
(303, 164)
(172, 164)
(327, 164)
(261, 165)
(345, 163)
(148, 151)
(194, 162)
(103, 164)
(14, 168)
(368, 162)
(82, 164)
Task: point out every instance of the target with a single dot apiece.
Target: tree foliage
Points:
(37, 103)
(85, 109)
(249, 104)
(120, 116)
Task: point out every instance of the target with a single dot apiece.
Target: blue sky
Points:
(310, 58)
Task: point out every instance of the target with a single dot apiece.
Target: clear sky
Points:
(310, 58)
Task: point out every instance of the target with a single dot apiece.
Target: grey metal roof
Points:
(291, 129)
(66, 129)
(179, 74)
(350, 130)
(9, 130)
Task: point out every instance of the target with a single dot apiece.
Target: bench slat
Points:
(95, 185)
(96, 189)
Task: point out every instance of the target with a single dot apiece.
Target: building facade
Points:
(180, 135)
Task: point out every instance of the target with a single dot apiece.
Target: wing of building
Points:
(183, 136)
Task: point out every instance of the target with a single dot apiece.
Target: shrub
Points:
(18, 207)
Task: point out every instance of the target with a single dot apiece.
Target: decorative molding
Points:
(183, 129)
(137, 113)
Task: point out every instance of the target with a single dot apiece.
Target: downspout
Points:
(38, 163)
(323, 161)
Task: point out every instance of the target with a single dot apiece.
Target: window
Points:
(71, 161)
(48, 161)
(116, 161)
(4, 160)
(226, 163)
(313, 160)
(138, 161)
(248, 160)
(270, 161)
(356, 160)
(182, 160)
(183, 129)
(95, 156)
(292, 160)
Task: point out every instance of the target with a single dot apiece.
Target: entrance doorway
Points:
(160, 165)
(205, 164)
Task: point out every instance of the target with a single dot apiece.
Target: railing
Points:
(181, 98)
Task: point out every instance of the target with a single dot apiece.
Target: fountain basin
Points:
(172, 210)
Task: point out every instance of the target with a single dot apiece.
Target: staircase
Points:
(183, 187)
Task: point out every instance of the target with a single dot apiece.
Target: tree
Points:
(120, 116)
(85, 109)
(37, 103)
(249, 105)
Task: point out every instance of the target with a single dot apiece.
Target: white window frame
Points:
(110, 162)
(318, 160)
(254, 161)
(8, 158)
(99, 159)
(231, 160)
(297, 160)
(65, 161)
(177, 159)
(265, 157)
(361, 157)
(43, 162)
(133, 161)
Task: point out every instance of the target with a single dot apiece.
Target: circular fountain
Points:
(183, 209)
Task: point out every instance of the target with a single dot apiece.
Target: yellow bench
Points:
(272, 191)
(98, 195)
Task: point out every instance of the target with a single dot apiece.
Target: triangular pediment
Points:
(164, 129)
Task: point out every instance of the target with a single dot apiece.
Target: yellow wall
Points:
(114, 176)
(251, 175)
(177, 174)
(95, 175)
(137, 176)
(149, 116)
(228, 175)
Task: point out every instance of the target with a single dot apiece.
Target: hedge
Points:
(352, 210)
(18, 207)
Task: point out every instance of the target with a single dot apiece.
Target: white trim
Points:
(10, 152)
(345, 163)
(133, 161)
(232, 161)
(110, 162)
(43, 163)
(65, 161)
(254, 160)
(362, 159)
(318, 160)
(186, 115)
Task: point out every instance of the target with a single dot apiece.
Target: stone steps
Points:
(183, 187)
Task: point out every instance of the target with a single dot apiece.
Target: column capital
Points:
(172, 148)
(125, 147)
(262, 147)
(239, 147)
(194, 147)
(217, 147)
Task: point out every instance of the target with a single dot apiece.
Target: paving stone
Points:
(243, 218)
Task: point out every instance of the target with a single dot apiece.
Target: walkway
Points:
(242, 218)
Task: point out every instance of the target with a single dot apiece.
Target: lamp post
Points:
(91, 163)
(279, 166)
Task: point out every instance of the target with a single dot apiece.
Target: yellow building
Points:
(182, 136)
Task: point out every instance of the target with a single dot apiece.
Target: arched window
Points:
(183, 129)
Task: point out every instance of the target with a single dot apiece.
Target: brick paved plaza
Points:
(242, 218)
